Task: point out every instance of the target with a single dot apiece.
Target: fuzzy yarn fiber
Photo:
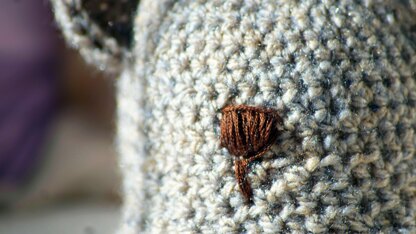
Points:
(340, 73)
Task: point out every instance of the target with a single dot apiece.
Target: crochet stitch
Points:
(341, 74)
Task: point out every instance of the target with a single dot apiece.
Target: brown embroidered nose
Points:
(248, 133)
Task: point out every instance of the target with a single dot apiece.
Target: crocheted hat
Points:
(340, 74)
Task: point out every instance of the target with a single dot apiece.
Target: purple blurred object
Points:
(28, 86)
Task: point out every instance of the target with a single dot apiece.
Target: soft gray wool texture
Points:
(340, 73)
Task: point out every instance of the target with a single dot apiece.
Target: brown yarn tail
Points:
(241, 169)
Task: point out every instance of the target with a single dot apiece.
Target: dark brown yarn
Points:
(240, 171)
(248, 133)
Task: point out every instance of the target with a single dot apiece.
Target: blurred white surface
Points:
(80, 163)
(75, 189)
(66, 219)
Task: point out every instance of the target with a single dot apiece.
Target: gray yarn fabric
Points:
(340, 73)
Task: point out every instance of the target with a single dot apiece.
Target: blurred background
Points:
(58, 170)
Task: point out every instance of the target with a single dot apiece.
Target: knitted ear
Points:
(100, 29)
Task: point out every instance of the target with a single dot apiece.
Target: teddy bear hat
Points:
(340, 76)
